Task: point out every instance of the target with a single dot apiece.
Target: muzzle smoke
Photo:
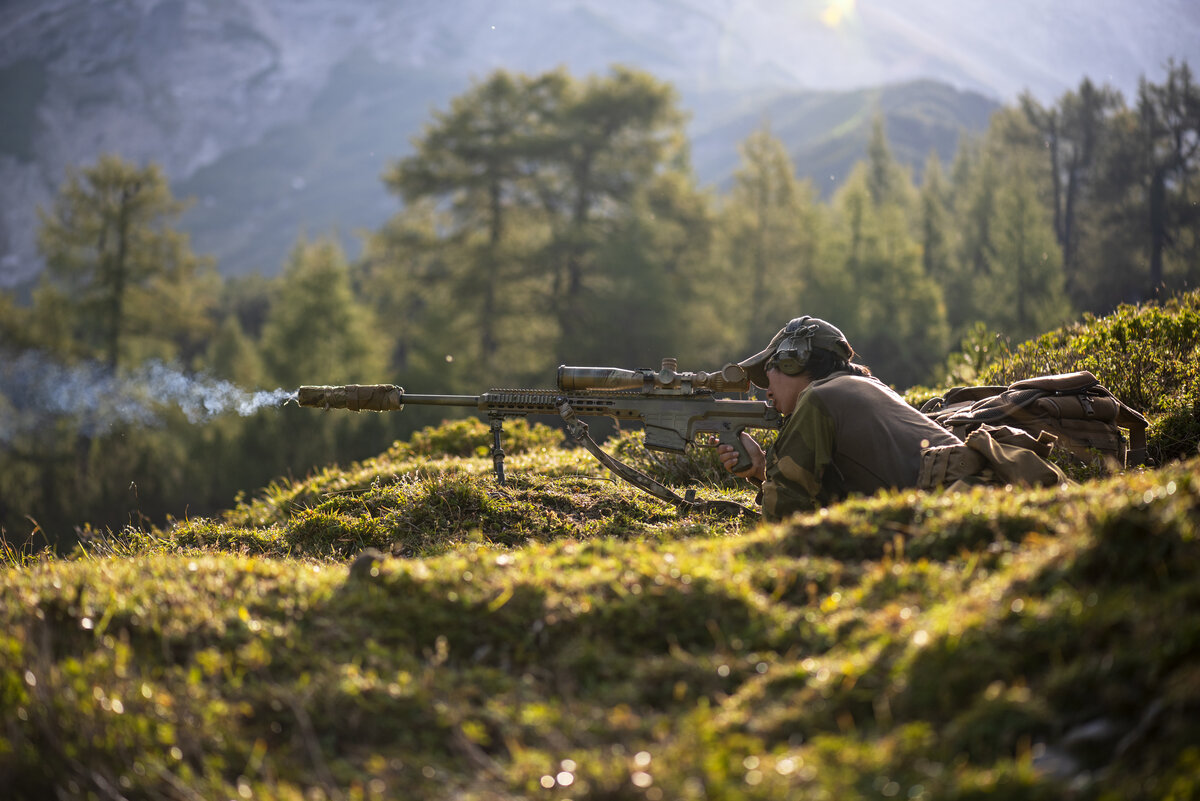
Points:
(35, 392)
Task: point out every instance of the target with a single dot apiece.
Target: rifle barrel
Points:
(440, 400)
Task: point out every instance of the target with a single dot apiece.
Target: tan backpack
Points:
(1083, 415)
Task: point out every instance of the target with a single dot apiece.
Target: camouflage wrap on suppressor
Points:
(355, 397)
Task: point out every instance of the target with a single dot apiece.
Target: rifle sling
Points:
(578, 430)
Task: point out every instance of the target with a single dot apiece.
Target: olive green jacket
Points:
(848, 434)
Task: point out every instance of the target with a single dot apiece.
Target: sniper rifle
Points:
(677, 409)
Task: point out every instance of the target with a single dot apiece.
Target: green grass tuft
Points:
(567, 637)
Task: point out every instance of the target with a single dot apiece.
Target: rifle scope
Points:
(668, 379)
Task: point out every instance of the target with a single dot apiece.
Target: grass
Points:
(564, 637)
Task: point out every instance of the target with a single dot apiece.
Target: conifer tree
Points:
(611, 135)
(653, 283)
(1142, 235)
(1027, 294)
(316, 330)
(234, 356)
(1170, 130)
(16, 324)
(898, 324)
(1072, 135)
(976, 215)
(770, 238)
(937, 238)
(888, 183)
(541, 175)
(409, 276)
(121, 285)
(1008, 274)
(477, 155)
(128, 279)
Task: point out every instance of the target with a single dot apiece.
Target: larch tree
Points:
(476, 156)
(316, 330)
(770, 231)
(1170, 128)
(611, 135)
(131, 283)
(1071, 134)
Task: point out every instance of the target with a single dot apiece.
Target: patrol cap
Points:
(800, 335)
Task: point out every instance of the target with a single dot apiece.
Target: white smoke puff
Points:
(35, 391)
(203, 397)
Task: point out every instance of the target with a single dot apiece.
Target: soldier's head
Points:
(806, 345)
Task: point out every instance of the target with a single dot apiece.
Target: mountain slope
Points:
(826, 133)
(191, 85)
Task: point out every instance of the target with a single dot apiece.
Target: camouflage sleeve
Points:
(798, 461)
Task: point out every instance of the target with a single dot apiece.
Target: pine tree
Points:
(541, 175)
(409, 276)
(888, 183)
(1008, 272)
(1028, 289)
(234, 356)
(654, 282)
(936, 234)
(611, 136)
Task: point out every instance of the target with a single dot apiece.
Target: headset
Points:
(791, 357)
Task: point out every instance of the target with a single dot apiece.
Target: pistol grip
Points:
(733, 437)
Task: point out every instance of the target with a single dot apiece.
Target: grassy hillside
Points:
(566, 637)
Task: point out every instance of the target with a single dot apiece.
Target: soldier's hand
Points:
(758, 461)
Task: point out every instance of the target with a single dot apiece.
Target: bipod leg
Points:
(497, 447)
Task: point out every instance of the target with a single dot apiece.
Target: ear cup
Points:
(789, 363)
(792, 356)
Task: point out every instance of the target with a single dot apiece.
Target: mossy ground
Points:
(908, 645)
(565, 637)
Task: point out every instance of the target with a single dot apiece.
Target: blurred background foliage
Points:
(553, 219)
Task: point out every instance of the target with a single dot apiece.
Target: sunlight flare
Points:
(837, 12)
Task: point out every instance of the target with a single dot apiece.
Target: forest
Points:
(554, 219)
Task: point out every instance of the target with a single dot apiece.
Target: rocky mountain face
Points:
(279, 115)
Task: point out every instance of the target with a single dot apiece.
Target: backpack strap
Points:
(1137, 425)
(959, 397)
(1064, 383)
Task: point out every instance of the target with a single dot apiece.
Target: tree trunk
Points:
(1158, 229)
(489, 342)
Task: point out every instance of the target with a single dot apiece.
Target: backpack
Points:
(1084, 416)
(989, 455)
